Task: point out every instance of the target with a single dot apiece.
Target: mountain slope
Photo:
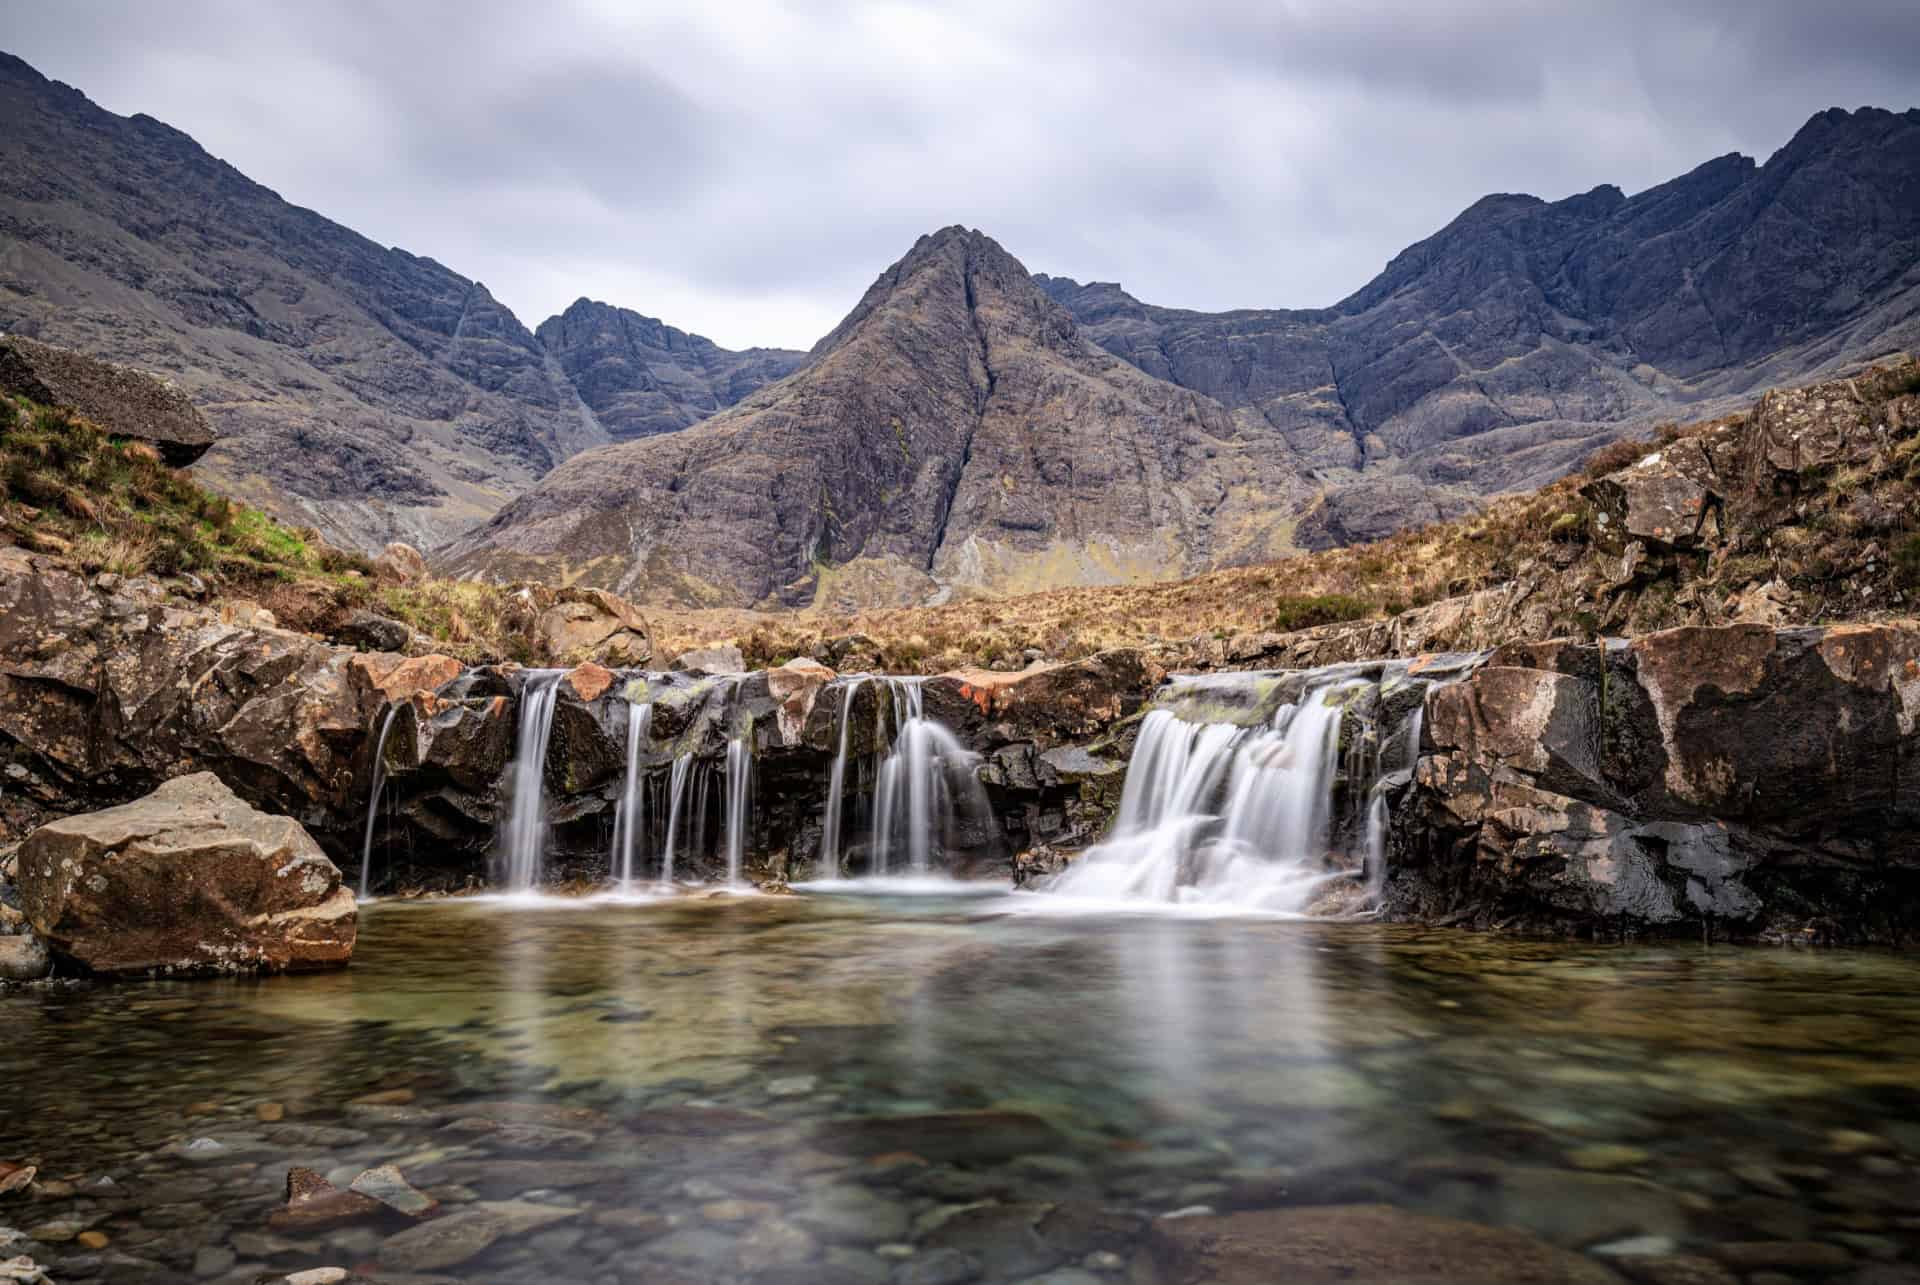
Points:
(1493, 355)
(371, 392)
(641, 376)
(954, 430)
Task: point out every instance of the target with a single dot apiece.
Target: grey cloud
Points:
(745, 170)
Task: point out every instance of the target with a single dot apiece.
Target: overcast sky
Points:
(745, 169)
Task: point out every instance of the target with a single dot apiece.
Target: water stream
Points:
(630, 822)
(373, 800)
(526, 835)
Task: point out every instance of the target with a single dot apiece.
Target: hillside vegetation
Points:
(1803, 509)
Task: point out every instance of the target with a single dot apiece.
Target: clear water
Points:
(1591, 1095)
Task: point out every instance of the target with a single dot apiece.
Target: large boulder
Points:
(187, 880)
(125, 402)
(400, 564)
(1741, 778)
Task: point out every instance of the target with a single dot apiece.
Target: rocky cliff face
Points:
(374, 393)
(640, 376)
(1495, 354)
(954, 430)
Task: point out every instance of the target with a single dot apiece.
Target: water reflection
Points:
(1149, 1063)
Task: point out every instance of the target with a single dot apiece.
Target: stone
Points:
(387, 1185)
(1002, 1238)
(1355, 1243)
(318, 1276)
(722, 659)
(372, 632)
(771, 1242)
(399, 564)
(1606, 1157)
(313, 1204)
(24, 958)
(466, 1233)
(1676, 1269)
(1782, 1255)
(937, 1267)
(848, 1215)
(125, 402)
(956, 1137)
(189, 879)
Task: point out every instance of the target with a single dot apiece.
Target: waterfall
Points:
(630, 820)
(836, 791)
(739, 792)
(1224, 808)
(373, 799)
(527, 811)
(927, 786)
(676, 797)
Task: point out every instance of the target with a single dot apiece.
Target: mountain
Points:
(955, 430)
(641, 376)
(371, 392)
(1496, 353)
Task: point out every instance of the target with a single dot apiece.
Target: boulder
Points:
(187, 880)
(124, 401)
(1353, 1244)
(1046, 703)
(399, 564)
(724, 659)
(372, 632)
(1739, 777)
(571, 625)
(23, 958)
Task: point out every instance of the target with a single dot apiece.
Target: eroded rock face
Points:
(187, 880)
(105, 692)
(1741, 777)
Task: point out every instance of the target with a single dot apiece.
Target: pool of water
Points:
(844, 1086)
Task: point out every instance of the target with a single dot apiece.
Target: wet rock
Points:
(1353, 1243)
(1676, 1269)
(937, 1267)
(1735, 776)
(774, 1243)
(24, 958)
(955, 1137)
(848, 1215)
(387, 1185)
(1783, 1255)
(189, 879)
(466, 1233)
(318, 1276)
(1048, 704)
(314, 1204)
(1002, 1238)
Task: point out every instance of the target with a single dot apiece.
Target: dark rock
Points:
(370, 632)
(125, 402)
(959, 1137)
(189, 879)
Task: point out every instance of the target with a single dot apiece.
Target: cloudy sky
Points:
(744, 169)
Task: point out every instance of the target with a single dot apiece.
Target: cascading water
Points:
(676, 805)
(630, 821)
(527, 812)
(739, 795)
(928, 787)
(373, 800)
(1236, 812)
(830, 830)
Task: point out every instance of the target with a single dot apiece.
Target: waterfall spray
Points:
(739, 795)
(830, 830)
